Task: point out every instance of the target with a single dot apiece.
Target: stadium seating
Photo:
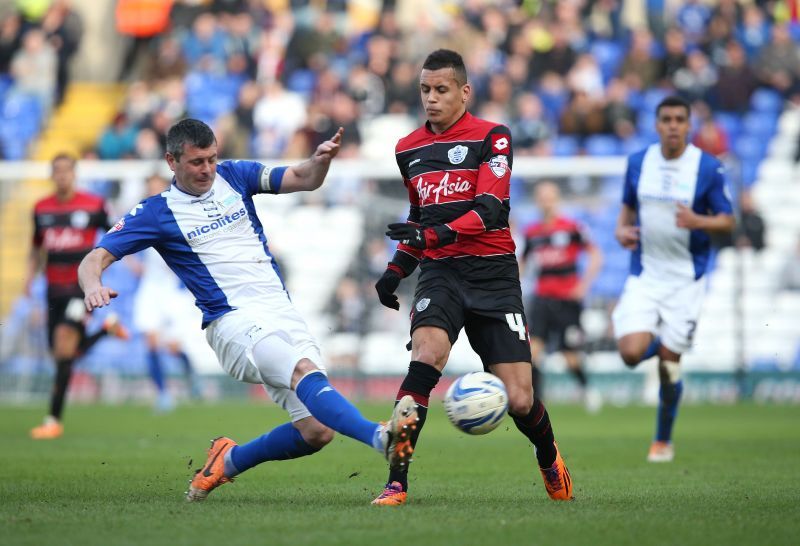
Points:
(608, 55)
(767, 101)
(566, 145)
(602, 145)
(20, 121)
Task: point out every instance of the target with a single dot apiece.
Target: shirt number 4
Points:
(514, 321)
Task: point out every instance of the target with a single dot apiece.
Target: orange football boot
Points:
(661, 452)
(397, 433)
(557, 480)
(114, 327)
(49, 430)
(212, 475)
(392, 495)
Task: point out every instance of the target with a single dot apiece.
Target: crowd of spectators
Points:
(274, 78)
(275, 82)
(37, 42)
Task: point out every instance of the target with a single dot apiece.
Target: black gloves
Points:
(386, 287)
(418, 237)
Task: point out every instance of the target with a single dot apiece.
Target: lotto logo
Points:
(499, 143)
(118, 226)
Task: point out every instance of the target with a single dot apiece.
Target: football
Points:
(476, 402)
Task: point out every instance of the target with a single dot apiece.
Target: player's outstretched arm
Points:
(90, 273)
(310, 174)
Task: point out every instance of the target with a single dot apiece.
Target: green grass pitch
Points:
(119, 473)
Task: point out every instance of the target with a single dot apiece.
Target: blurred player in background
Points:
(164, 311)
(456, 169)
(674, 197)
(206, 229)
(66, 227)
(554, 313)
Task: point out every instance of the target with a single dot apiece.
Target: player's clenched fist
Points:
(417, 237)
(628, 236)
(386, 287)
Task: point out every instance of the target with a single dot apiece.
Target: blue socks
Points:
(279, 444)
(285, 442)
(652, 349)
(185, 363)
(333, 410)
(669, 396)
(155, 370)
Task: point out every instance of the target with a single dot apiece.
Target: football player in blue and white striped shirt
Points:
(675, 196)
(206, 229)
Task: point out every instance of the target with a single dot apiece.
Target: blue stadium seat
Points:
(646, 124)
(302, 81)
(209, 96)
(760, 124)
(565, 145)
(767, 101)
(730, 122)
(13, 149)
(749, 171)
(635, 99)
(25, 112)
(609, 284)
(749, 147)
(553, 104)
(602, 145)
(637, 143)
(608, 55)
(651, 99)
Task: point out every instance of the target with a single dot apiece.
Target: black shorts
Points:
(65, 310)
(557, 321)
(489, 310)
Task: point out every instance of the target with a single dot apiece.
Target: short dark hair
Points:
(447, 58)
(674, 100)
(188, 131)
(63, 156)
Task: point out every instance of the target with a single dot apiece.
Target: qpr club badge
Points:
(79, 219)
(457, 154)
(499, 165)
(422, 304)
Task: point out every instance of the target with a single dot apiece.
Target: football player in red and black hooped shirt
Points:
(66, 226)
(457, 169)
(556, 243)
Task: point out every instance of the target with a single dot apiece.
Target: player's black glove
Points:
(418, 237)
(386, 287)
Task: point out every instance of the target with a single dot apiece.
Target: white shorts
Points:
(668, 311)
(234, 335)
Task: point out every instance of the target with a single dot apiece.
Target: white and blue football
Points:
(476, 402)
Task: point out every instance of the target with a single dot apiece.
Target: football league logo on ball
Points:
(476, 402)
